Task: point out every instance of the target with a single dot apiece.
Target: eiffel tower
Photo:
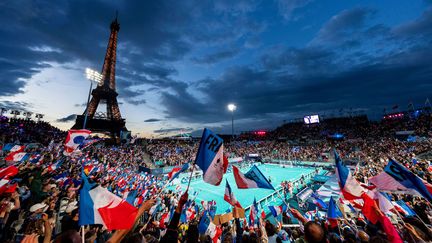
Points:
(110, 122)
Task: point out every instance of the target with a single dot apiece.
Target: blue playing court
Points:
(209, 192)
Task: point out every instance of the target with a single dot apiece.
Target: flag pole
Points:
(283, 199)
(400, 217)
(83, 235)
(190, 177)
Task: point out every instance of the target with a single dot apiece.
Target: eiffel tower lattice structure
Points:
(110, 122)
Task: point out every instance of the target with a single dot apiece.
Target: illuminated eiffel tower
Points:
(110, 122)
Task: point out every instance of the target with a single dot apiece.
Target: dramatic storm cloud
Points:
(184, 61)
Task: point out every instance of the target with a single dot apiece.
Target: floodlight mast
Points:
(92, 76)
(232, 108)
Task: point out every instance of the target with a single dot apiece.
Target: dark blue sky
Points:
(181, 62)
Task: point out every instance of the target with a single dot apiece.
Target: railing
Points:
(279, 189)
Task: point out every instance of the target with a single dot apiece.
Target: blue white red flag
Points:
(254, 178)
(207, 227)
(9, 171)
(229, 196)
(55, 166)
(13, 147)
(175, 172)
(396, 178)
(130, 196)
(164, 220)
(74, 139)
(333, 213)
(402, 207)
(318, 201)
(210, 158)
(350, 187)
(99, 206)
(36, 158)
(253, 212)
(275, 210)
(17, 156)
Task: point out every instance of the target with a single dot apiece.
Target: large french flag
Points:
(210, 158)
(254, 178)
(75, 138)
(398, 179)
(99, 206)
(229, 196)
(350, 187)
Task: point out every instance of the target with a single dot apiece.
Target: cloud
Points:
(345, 24)
(153, 120)
(288, 7)
(293, 82)
(216, 57)
(16, 105)
(147, 44)
(136, 102)
(69, 118)
(418, 27)
(81, 105)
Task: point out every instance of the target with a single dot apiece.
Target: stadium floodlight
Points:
(39, 116)
(2, 111)
(15, 113)
(232, 108)
(28, 114)
(93, 76)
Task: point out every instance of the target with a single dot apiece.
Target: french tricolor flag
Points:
(9, 171)
(17, 156)
(275, 210)
(207, 227)
(229, 196)
(55, 166)
(397, 178)
(318, 201)
(253, 212)
(176, 172)
(350, 187)
(99, 206)
(403, 208)
(210, 158)
(164, 220)
(254, 178)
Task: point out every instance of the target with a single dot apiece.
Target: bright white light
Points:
(93, 75)
(232, 107)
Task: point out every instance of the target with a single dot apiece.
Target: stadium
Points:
(206, 125)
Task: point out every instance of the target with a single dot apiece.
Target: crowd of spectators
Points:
(40, 201)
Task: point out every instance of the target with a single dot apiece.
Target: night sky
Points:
(181, 62)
